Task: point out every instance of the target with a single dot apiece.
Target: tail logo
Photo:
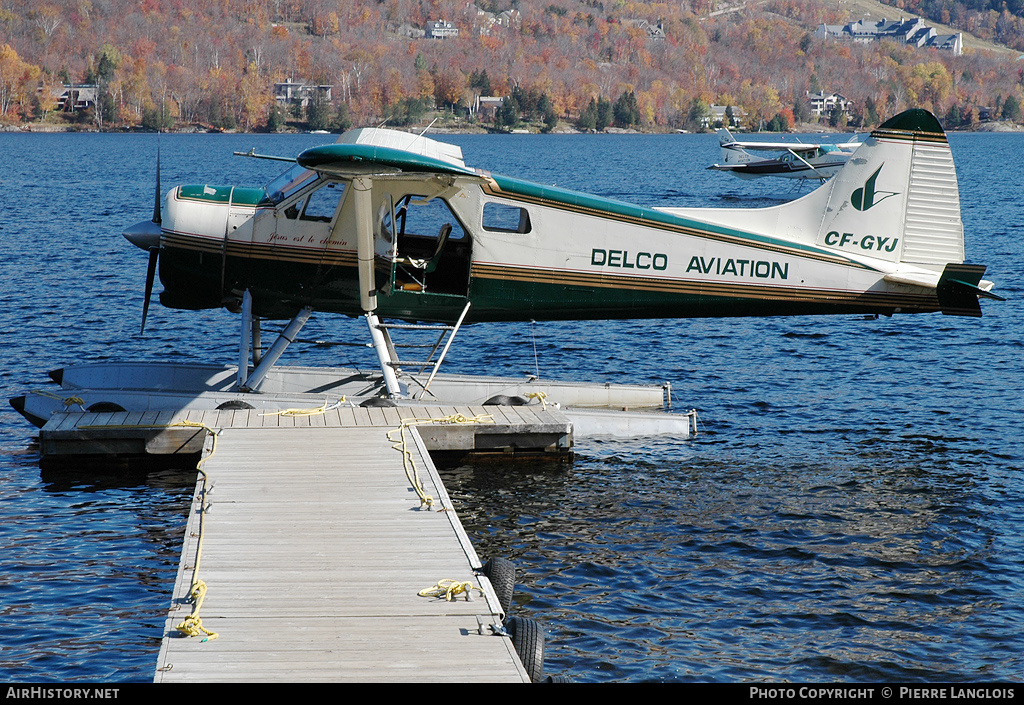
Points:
(866, 196)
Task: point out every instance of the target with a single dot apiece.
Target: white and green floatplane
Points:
(390, 225)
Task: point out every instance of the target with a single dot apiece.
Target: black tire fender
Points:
(505, 400)
(234, 405)
(377, 402)
(101, 407)
(528, 641)
(501, 572)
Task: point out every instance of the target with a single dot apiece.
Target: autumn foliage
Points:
(215, 62)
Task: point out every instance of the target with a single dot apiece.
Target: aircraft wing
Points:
(372, 151)
(796, 147)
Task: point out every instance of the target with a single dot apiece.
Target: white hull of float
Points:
(613, 410)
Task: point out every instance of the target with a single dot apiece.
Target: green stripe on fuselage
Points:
(554, 197)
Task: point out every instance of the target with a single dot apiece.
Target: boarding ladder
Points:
(392, 366)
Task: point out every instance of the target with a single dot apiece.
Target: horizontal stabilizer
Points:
(958, 290)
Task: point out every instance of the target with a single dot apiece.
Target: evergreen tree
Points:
(801, 111)
(626, 111)
(157, 118)
(547, 112)
(480, 81)
(276, 118)
(342, 121)
(779, 123)
(405, 112)
(588, 117)
(698, 116)
(1011, 108)
(318, 113)
(604, 114)
(870, 112)
(507, 116)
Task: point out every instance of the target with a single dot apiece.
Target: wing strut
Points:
(363, 188)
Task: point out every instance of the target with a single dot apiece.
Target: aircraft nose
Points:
(144, 235)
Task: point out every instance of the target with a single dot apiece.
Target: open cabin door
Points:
(421, 247)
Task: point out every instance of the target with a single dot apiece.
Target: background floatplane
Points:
(794, 160)
(390, 225)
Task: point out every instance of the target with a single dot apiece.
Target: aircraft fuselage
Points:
(443, 234)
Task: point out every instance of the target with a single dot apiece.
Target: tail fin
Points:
(897, 198)
(732, 152)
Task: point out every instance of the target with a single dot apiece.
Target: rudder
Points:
(898, 199)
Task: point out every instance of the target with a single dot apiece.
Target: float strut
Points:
(243, 339)
(384, 356)
(276, 350)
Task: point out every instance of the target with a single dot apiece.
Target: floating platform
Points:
(118, 409)
(319, 519)
(507, 430)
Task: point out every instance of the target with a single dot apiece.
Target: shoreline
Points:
(802, 129)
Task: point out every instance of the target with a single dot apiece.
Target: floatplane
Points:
(392, 226)
(795, 160)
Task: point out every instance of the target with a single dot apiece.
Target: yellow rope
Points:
(306, 412)
(540, 396)
(450, 589)
(66, 401)
(402, 445)
(193, 625)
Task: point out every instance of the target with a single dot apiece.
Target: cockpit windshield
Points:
(289, 182)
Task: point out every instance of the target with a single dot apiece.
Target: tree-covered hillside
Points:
(652, 65)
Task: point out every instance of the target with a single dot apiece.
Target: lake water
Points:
(850, 512)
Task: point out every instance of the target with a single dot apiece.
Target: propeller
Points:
(146, 236)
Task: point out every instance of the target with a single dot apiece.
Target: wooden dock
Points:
(314, 535)
(504, 429)
(315, 548)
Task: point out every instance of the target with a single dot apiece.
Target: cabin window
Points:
(322, 204)
(288, 183)
(502, 218)
(385, 228)
(292, 211)
(414, 216)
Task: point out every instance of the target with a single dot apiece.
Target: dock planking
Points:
(495, 428)
(315, 545)
(315, 548)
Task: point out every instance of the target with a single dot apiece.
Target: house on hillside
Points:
(510, 18)
(655, 32)
(441, 29)
(719, 118)
(913, 32)
(301, 93)
(480, 19)
(822, 104)
(77, 97)
(486, 106)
